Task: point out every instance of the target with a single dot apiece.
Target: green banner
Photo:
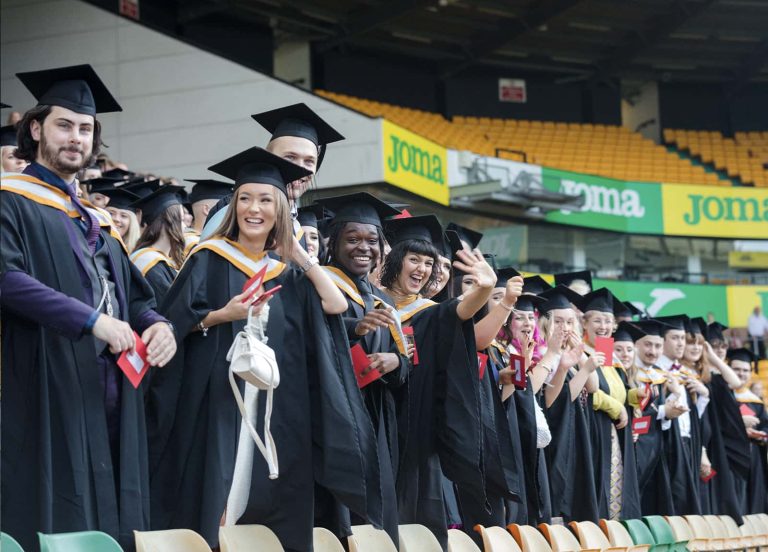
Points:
(608, 204)
(665, 298)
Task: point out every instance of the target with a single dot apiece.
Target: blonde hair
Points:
(546, 324)
(281, 234)
(702, 365)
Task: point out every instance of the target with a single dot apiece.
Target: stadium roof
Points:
(724, 41)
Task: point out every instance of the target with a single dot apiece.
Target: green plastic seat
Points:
(81, 541)
(9, 544)
(642, 535)
(663, 534)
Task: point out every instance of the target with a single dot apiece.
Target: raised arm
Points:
(472, 262)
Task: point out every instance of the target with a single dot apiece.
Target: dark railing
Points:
(507, 150)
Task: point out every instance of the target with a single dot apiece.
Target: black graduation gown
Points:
(318, 421)
(58, 473)
(757, 487)
(538, 503)
(570, 457)
(439, 418)
(502, 477)
(602, 427)
(160, 277)
(684, 463)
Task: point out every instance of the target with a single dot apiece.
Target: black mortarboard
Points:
(559, 297)
(625, 309)
(651, 327)
(153, 205)
(626, 331)
(207, 188)
(453, 243)
(529, 302)
(472, 237)
(601, 300)
(142, 188)
(120, 198)
(77, 88)
(742, 354)
(504, 274)
(118, 173)
(100, 185)
(359, 207)
(298, 120)
(258, 166)
(567, 278)
(424, 227)
(535, 285)
(715, 332)
(312, 215)
(696, 326)
(8, 135)
(674, 322)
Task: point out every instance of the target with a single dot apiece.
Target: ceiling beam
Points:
(187, 12)
(752, 65)
(488, 43)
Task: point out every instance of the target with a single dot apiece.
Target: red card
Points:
(605, 345)
(712, 473)
(746, 411)
(134, 365)
(408, 333)
(641, 426)
(482, 362)
(517, 365)
(647, 399)
(360, 363)
(254, 283)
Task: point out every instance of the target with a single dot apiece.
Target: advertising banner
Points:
(742, 300)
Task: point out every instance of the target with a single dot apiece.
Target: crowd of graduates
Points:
(419, 382)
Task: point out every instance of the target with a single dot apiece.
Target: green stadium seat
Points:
(663, 534)
(642, 535)
(9, 544)
(81, 541)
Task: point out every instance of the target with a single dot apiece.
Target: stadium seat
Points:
(171, 540)
(749, 541)
(731, 536)
(701, 531)
(528, 538)
(663, 534)
(459, 541)
(560, 538)
(752, 528)
(325, 541)
(497, 539)
(591, 537)
(81, 541)
(642, 535)
(683, 532)
(9, 544)
(242, 538)
(417, 538)
(365, 538)
(618, 536)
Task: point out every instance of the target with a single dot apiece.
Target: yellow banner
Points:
(746, 259)
(742, 300)
(728, 212)
(415, 164)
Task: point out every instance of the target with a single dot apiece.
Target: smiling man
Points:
(74, 456)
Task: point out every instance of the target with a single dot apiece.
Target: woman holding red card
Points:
(200, 473)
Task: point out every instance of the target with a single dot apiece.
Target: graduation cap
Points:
(452, 243)
(472, 237)
(742, 354)
(312, 215)
(651, 326)
(118, 173)
(625, 309)
(715, 331)
(601, 300)
(120, 198)
(142, 188)
(529, 303)
(696, 326)
(627, 331)
(568, 278)
(504, 274)
(258, 166)
(100, 185)
(153, 205)
(535, 285)
(559, 297)
(8, 136)
(207, 188)
(673, 322)
(424, 227)
(359, 207)
(77, 88)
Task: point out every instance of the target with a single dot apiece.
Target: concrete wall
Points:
(183, 109)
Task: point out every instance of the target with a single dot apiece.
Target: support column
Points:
(292, 62)
(640, 108)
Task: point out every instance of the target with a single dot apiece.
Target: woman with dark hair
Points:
(201, 476)
(159, 251)
(438, 405)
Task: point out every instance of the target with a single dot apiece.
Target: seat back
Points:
(716, 527)
(417, 538)
(641, 534)
(496, 539)
(240, 538)
(699, 527)
(459, 541)
(730, 526)
(559, 537)
(616, 533)
(660, 529)
(9, 544)
(80, 541)
(680, 528)
(589, 535)
(325, 541)
(529, 538)
(170, 540)
(366, 538)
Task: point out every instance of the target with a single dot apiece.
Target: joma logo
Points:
(604, 200)
(413, 159)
